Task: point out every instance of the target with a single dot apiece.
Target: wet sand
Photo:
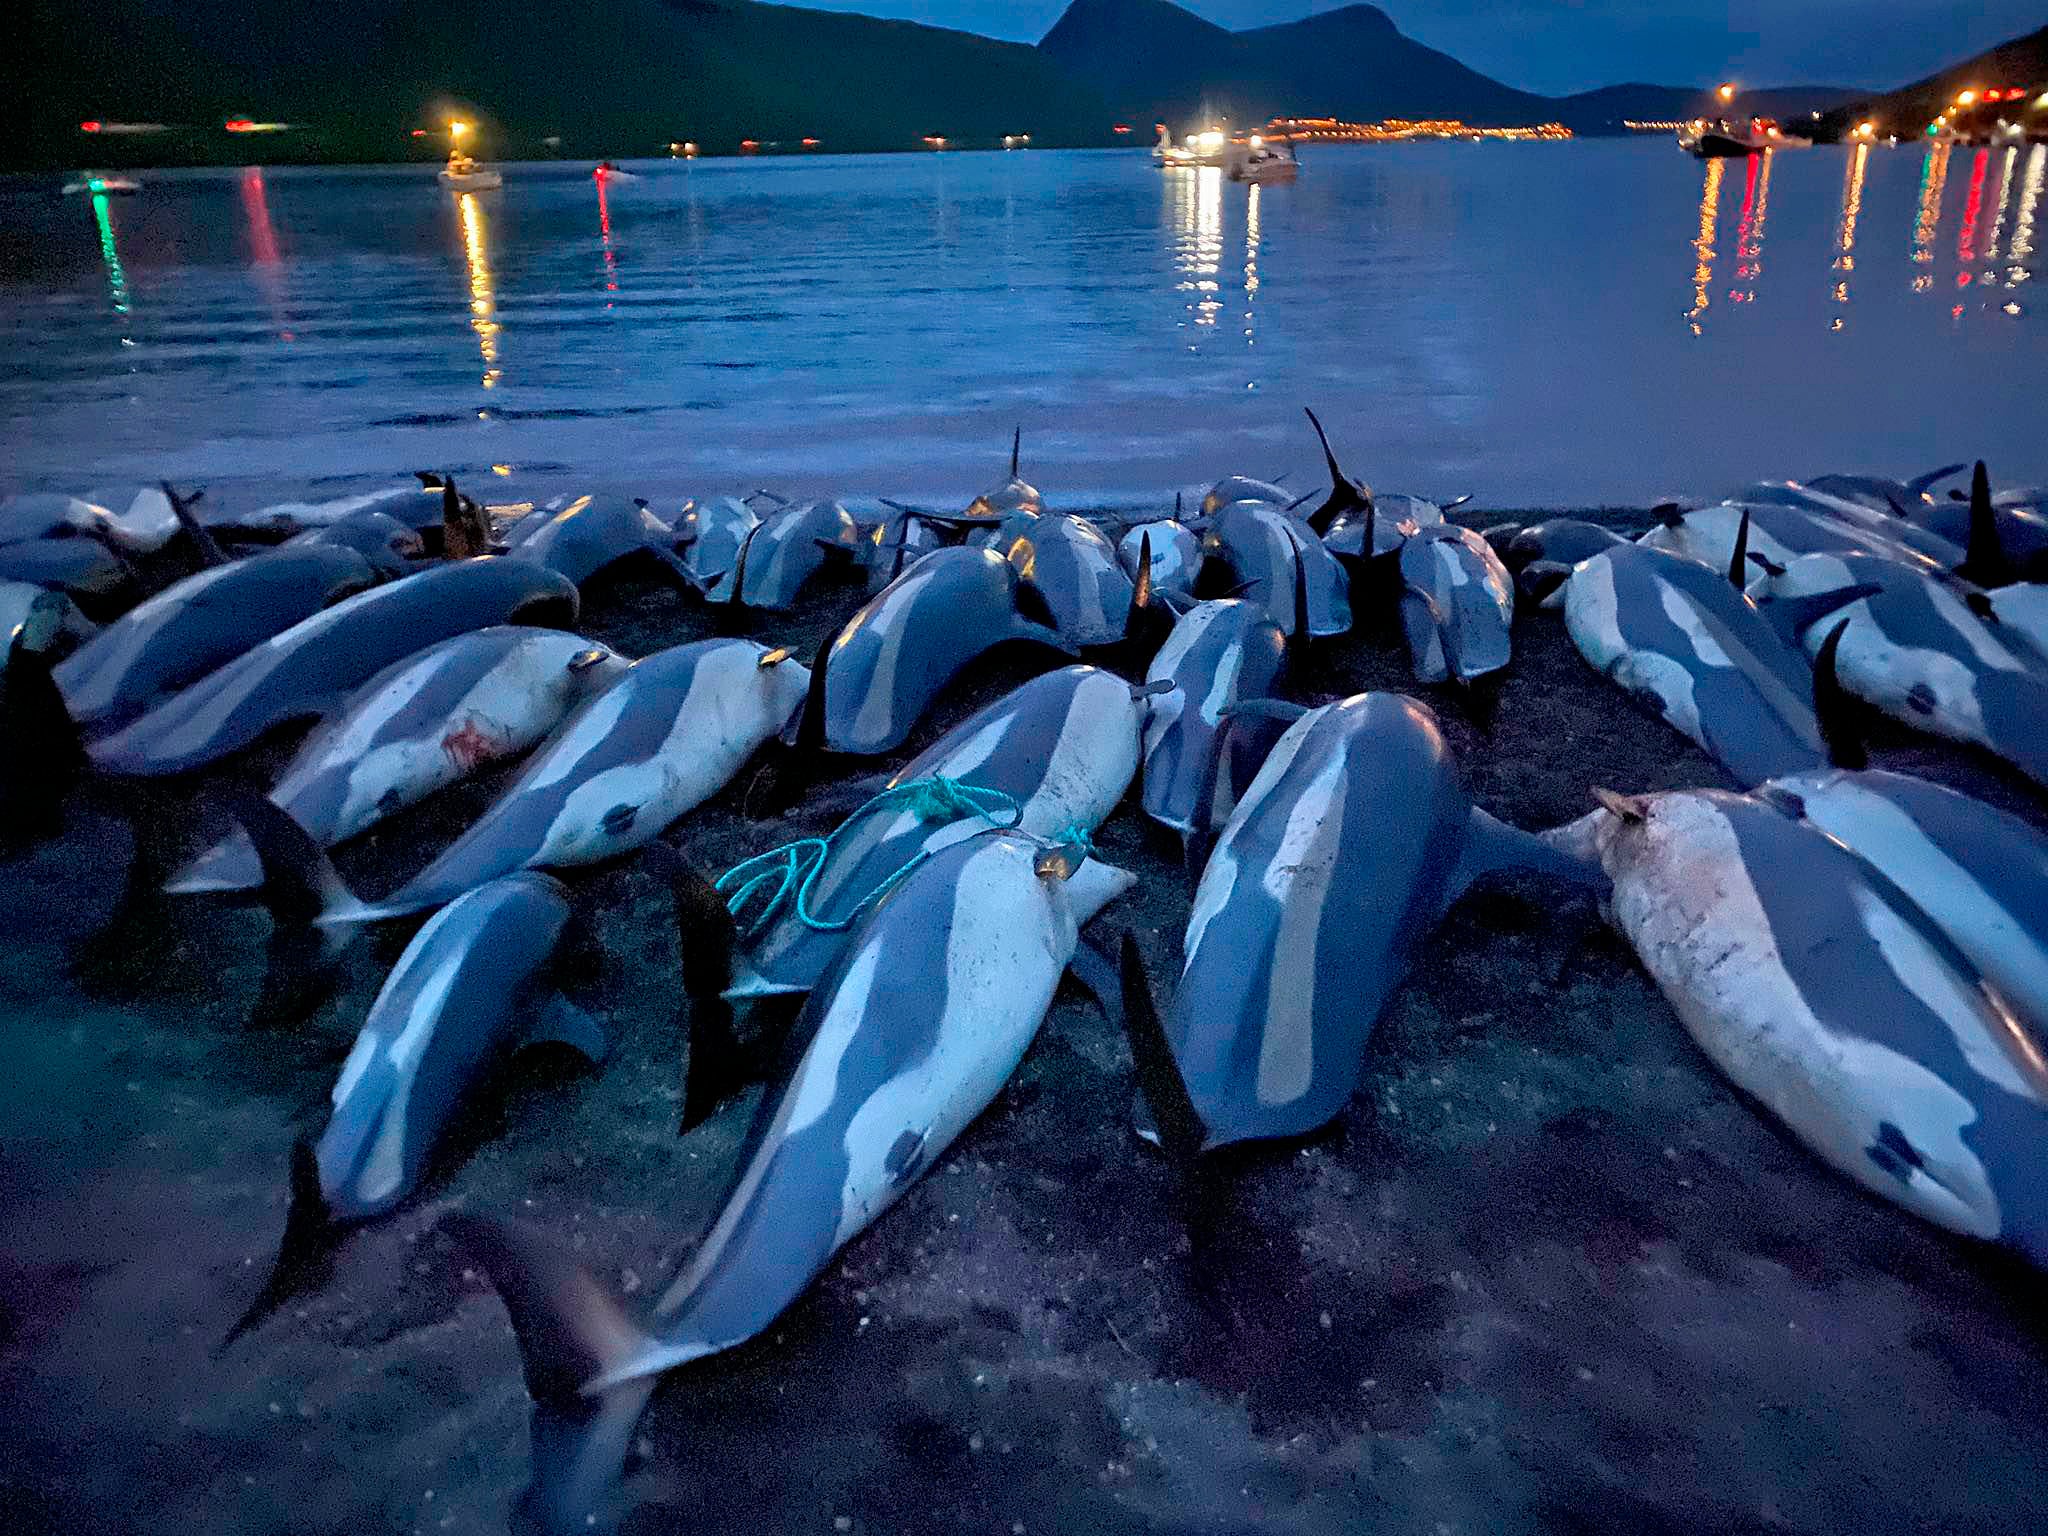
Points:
(1546, 1273)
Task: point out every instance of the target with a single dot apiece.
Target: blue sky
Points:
(1567, 45)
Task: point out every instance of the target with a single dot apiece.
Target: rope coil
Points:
(794, 867)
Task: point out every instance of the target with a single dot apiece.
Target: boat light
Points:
(90, 125)
(1727, 91)
(457, 128)
(1966, 99)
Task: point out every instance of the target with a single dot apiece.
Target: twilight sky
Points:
(1568, 45)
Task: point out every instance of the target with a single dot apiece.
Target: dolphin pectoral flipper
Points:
(1092, 969)
(561, 1021)
(1179, 1126)
(573, 1336)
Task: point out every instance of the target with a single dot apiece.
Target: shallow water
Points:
(1550, 324)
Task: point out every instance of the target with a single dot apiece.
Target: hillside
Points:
(2022, 62)
(1153, 61)
(621, 79)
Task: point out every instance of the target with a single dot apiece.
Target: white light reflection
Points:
(483, 304)
(1199, 199)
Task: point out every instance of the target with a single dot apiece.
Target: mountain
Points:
(1153, 61)
(618, 79)
(2022, 63)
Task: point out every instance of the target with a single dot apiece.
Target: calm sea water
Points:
(1550, 324)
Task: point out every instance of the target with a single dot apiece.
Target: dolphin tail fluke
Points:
(1492, 845)
(573, 1338)
(1174, 1115)
(203, 541)
(305, 1253)
(1920, 485)
(1792, 617)
(1832, 709)
(300, 884)
(705, 937)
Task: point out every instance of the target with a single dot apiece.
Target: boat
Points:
(1207, 148)
(1724, 140)
(462, 174)
(606, 171)
(1260, 163)
(101, 184)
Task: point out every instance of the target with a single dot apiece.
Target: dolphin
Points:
(145, 517)
(33, 515)
(101, 582)
(1542, 554)
(421, 724)
(1218, 654)
(1457, 606)
(1979, 874)
(24, 605)
(1063, 747)
(898, 542)
(710, 535)
(419, 506)
(1013, 495)
(2021, 613)
(389, 545)
(665, 737)
(908, 1036)
(1684, 640)
(1881, 522)
(205, 621)
(1916, 649)
(891, 659)
(592, 533)
(2002, 544)
(1827, 995)
(1778, 534)
(791, 546)
(1242, 488)
(1879, 492)
(1174, 551)
(1346, 494)
(1074, 565)
(1344, 854)
(473, 981)
(307, 669)
(1263, 548)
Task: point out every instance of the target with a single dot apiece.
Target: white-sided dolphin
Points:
(307, 669)
(1075, 567)
(891, 659)
(1777, 533)
(1457, 604)
(99, 581)
(1242, 488)
(389, 545)
(1342, 857)
(593, 533)
(421, 724)
(1013, 495)
(1063, 746)
(26, 606)
(203, 622)
(1175, 555)
(792, 545)
(1265, 551)
(710, 534)
(669, 734)
(1915, 648)
(1681, 638)
(1219, 653)
(911, 1033)
(1823, 992)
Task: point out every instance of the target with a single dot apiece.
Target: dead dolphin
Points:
(593, 533)
(1074, 565)
(1682, 639)
(418, 505)
(911, 1033)
(1348, 848)
(898, 542)
(1263, 549)
(1980, 874)
(710, 534)
(1778, 534)
(203, 622)
(1063, 747)
(473, 981)
(1242, 488)
(1830, 998)
(791, 546)
(421, 724)
(99, 581)
(1013, 495)
(42, 611)
(1915, 648)
(1175, 555)
(306, 670)
(657, 743)
(1457, 604)
(1218, 654)
(1542, 554)
(389, 545)
(34, 515)
(906, 643)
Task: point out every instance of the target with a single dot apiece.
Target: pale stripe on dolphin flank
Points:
(875, 716)
(1298, 878)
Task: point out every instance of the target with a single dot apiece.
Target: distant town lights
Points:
(1966, 99)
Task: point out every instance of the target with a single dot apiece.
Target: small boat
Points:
(462, 174)
(1260, 164)
(606, 171)
(1723, 140)
(101, 184)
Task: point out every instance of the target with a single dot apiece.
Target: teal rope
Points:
(793, 868)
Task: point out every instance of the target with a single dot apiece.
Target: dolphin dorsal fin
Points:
(1016, 448)
(1985, 562)
(1832, 710)
(1738, 562)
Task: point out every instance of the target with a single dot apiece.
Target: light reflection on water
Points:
(1533, 322)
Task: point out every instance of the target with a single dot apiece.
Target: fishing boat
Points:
(1724, 140)
(101, 184)
(608, 172)
(462, 174)
(1260, 163)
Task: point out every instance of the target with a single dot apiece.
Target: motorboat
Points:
(1260, 163)
(1724, 140)
(608, 172)
(462, 174)
(96, 185)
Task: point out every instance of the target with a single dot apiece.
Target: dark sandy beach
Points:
(1547, 1273)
